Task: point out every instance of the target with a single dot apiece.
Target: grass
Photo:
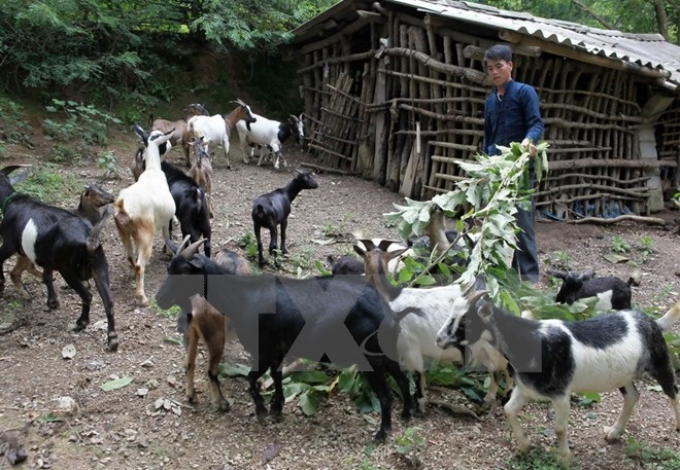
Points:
(660, 458)
(48, 185)
(537, 459)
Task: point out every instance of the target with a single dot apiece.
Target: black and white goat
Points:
(273, 208)
(92, 199)
(56, 240)
(417, 340)
(338, 319)
(612, 291)
(553, 359)
(269, 134)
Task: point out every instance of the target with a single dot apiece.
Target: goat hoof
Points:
(406, 416)
(143, 301)
(52, 304)
(113, 344)
(262, 417)
(79, 326)
(611, 434)
(275, 416)
(380, 436)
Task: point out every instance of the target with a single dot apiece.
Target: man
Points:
(512, 114)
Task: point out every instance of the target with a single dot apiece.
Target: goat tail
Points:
(634, 278)
(670, 318)
(93, 241)
(122, 218)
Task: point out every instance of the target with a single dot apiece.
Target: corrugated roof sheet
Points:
(646, 50)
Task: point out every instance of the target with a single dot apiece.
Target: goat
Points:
(348, 264)
(419, 332)
(56, 240)
(201, 171)
(144, 208)
(187, 260)
(191, 205)
(554, 358)
(204, 322)
(92, 198)
(270, 134)
(331, 318)
(218, 128)
(581, 285)
(272, 209)
(180, 127)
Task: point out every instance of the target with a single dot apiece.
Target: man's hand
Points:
(527, 144)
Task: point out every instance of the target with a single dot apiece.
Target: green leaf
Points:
(310, 377)
(234, 370)
(308, 403)
(116, 384)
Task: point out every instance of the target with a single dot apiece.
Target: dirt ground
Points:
(124, 428)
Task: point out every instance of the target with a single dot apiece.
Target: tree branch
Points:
(603, 21)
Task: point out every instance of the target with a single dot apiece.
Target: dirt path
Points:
(124, 429)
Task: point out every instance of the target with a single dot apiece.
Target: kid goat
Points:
(272, 209)
(339, 319)
(270, 134)
(553, 359)
(419, 332)
(56, 240)
(217, 128)
(144, 208)
(581, 285)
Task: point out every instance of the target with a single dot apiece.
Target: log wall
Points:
(416, 104)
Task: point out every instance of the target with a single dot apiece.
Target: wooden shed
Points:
(394, 91)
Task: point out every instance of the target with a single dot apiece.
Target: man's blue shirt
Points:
(513, 118)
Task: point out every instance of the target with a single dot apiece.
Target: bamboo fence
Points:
(399, 98)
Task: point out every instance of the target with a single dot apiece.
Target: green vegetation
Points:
(46, 183)
(537, 459)
(650, 457)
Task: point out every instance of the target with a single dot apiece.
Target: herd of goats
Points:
(354, 316)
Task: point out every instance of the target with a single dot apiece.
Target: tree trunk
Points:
(661, 18)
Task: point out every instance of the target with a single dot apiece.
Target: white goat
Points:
(270, 134)
(144, 208)
(417, 339)
(217, 128)
(553, 359)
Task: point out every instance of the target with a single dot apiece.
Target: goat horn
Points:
(192, 249)
(555, 273)
(295, 118)
(183, 245)
(9, 169)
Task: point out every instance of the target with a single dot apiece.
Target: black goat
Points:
(346, 264)
(188, 260)
(56, 240)
(191, 206)
(339, 319)
(581, 285)
(273, 208)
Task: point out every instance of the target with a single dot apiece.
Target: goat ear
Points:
(360, 251)
(555, 273)
(390, 255)
(368, 244)
(170, 131)
(141, 133)
(485, 311)
(170, 243)
(586, 276)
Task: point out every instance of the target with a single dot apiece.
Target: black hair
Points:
(498, 52)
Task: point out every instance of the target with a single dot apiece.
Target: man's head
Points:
(498, 61)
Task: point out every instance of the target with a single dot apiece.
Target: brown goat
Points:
(180, 127)
(207, 324)
(201, 170)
